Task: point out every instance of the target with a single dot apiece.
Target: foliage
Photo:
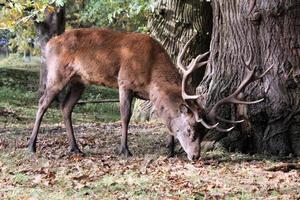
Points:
(19, 12)
(19, 17)
(129, 15)
(23, 40)
(5, 35)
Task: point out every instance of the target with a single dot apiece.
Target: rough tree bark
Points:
(173, 24)
(265, 33)
(54, 24)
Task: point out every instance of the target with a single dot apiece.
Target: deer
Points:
(138, 66)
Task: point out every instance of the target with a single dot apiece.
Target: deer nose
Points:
(196, 157)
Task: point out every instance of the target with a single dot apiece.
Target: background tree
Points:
(52, 25)
(262, 34)
(28, 19)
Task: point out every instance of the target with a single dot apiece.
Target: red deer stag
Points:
(139, 67)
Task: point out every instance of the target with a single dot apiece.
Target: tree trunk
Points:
(265, 33)
(173, 24)
(54, 24)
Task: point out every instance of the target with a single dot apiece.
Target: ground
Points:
(53, 173)
(101, 173)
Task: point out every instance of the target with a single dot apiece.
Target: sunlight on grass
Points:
(15, 61)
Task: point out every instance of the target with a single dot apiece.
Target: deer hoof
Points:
(31, 148)
(125, 152)
(75, 151)
(171, 154)
(171, 150)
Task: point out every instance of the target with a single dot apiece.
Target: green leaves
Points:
(128, 15)
(18, 16)
(16, 13)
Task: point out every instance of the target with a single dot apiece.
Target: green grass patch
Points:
(16, 61)
(20, 178)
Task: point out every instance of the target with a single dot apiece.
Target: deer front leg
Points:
(171, 145)
(126, 97)
(73, 95)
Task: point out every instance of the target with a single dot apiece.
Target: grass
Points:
(52, 173)
(15, 61)
(19, 99)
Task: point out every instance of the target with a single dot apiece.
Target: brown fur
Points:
(100, 56)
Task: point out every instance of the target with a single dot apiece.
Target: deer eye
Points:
(188, 132)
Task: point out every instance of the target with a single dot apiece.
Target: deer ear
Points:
(184, 109)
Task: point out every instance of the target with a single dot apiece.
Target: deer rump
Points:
(138, 66)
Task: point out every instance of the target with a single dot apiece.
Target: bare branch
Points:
(180, 55)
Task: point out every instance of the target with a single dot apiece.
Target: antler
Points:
(233, 98)
(186, 71)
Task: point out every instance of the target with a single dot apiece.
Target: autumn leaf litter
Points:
(101, 173)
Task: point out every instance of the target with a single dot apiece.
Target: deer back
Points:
(110, 58)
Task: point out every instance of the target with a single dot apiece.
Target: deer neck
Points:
(166, 100)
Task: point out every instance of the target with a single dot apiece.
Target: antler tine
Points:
(237, 101)
(185, 96)
(263, 74)
(181, 53)
(206, 125)
(224, 130)
(250, 77)
(229, 121)
(193, 64)
(185, 76)
(187, 70)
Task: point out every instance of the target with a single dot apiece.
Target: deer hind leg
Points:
(73, 95)
(44, 103)
(126, 97)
